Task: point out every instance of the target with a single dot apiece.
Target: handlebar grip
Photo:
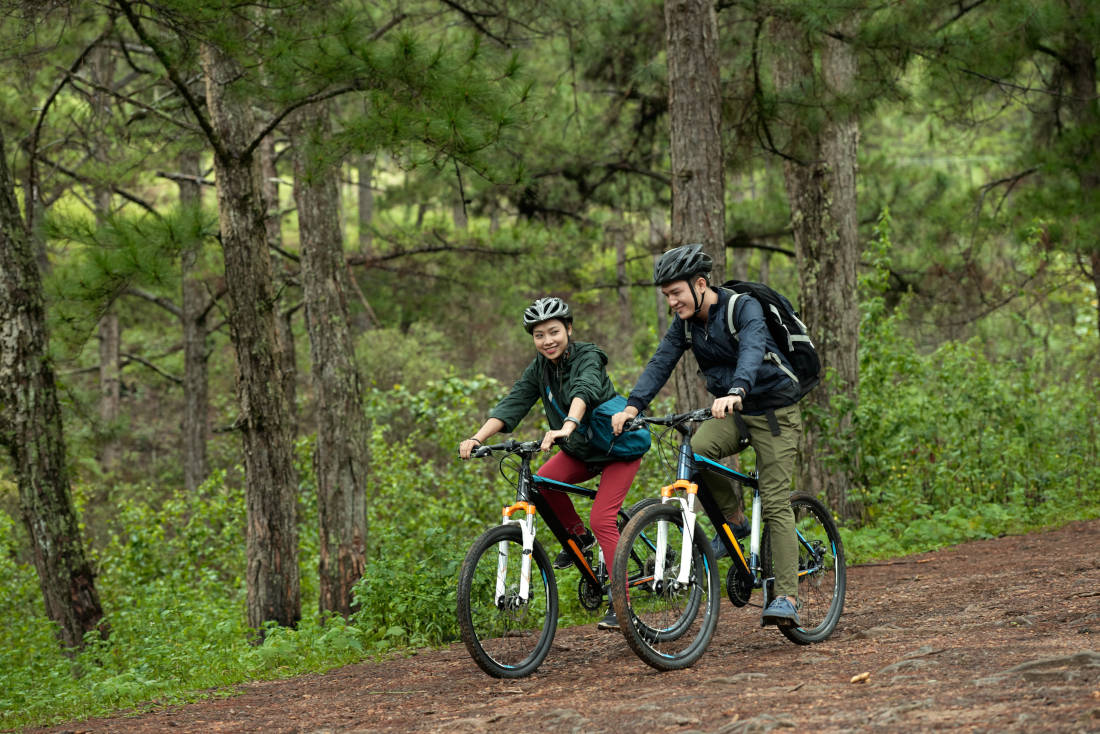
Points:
(481, 452)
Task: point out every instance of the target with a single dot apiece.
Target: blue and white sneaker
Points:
(780, 613)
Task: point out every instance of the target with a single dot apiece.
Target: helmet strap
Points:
(695, 298)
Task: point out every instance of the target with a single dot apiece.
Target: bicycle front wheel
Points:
(507, 636)
(667, 623)
(821, 570)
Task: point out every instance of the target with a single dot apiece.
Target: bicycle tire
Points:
(507, 638)
(641, 505)
(667, 626)
(822, 578)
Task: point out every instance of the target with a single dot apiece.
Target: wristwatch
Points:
(738, 391)
(572, 419)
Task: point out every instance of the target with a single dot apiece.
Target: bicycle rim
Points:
(821, 571)
(666, 624)
(507, 636)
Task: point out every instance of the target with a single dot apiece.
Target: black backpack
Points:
(788, 331)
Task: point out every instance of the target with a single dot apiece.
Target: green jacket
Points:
(580, 373)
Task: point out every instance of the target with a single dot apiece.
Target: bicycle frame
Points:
(691, 481)
(531, 502)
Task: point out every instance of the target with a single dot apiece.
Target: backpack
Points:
(790, 334)
(596, 427)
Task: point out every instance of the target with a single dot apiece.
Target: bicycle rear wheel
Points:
(821, 570)
(508, 637)
(667, 624)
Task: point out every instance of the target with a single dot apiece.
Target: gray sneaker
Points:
(609, 621)
(780, 613)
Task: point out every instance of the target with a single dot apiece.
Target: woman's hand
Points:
(467, 447)
(552, 436)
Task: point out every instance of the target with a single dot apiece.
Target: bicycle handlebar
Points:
(698, 415)
(511, 446)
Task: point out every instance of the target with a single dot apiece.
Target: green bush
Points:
(947, 451)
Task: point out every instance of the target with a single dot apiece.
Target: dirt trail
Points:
(990, 636)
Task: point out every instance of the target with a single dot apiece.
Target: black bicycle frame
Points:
(528, 490)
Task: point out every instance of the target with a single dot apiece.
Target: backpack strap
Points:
(773, 422)
(734, 295)
(774, 359)
(744, 438)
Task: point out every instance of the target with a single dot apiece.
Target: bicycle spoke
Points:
(670, 623)
(507, 635)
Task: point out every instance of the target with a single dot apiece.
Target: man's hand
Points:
(619, 419)
(724, 406)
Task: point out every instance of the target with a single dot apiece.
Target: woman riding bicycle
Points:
(570, 378)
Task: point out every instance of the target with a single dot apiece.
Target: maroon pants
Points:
(615, 480)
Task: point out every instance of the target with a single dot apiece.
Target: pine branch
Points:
(472, 18)
(36, 133)
(186, 177)
(373, 261)
(961, 10)
(131, 101)
(166, 303)
(355, 86)
(92, 182)
(150, 365)
(177, 81)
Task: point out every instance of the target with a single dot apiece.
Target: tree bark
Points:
(265, 421)
(193, 320)
(110, 386)
(340, 457)
(695, 120)
(618, 233)
(1085, 108)
(366, 203)
(31, 432)
(821, 187)
(273, 219)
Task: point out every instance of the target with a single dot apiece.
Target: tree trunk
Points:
(340, 458)
(821, 188)
(618, 234)
(31, 432)
(658, 238)
(193, 317)
(265, 421)
(1085, 108)
(366, 203)
(110, 386)
(695, 120)
(273, 218)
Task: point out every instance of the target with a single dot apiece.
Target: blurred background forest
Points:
(282, 251)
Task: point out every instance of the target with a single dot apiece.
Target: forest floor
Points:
(999, 635)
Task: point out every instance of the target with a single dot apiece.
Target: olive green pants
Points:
(775, 459)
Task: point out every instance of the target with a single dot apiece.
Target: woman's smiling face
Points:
(551, 338)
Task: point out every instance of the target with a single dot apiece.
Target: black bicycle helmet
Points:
(544, 309)
(681, 263)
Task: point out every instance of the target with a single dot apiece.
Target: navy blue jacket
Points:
(725, 362)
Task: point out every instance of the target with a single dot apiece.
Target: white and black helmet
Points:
(544, 309)
(681, 263)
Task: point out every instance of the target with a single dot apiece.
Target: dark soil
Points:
(990, 636)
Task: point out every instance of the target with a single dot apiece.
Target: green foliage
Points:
(954, 446)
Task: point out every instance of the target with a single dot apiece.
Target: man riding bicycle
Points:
(750, 380)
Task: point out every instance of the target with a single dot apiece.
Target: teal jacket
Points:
(580, 373)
